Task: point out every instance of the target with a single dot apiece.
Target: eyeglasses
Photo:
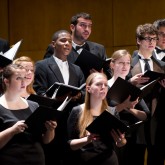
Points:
(149, 39)
(161, 34)
(84, 25)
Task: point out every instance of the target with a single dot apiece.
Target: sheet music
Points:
(55, 93)
(64, 104)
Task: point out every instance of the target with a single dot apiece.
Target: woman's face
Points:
(29, 71)
(121, 66)
(99, 87)
(17, 82)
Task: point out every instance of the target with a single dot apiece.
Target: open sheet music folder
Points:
(153, 76)
(121, 89)
(48, 102)
(87, 61)
(60, 89)
(36, 121)
(104, 123)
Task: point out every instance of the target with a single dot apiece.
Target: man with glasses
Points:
(160, 47)
(81, 28)
(146, 38)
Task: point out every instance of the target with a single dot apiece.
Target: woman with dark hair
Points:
(17, 146)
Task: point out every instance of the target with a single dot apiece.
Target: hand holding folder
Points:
(104, 123)
(121, 89)
(88, 61)
(153, 75)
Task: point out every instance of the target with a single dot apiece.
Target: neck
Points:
(95, 107)
(145, 54)
(11, 96)
(78, 42)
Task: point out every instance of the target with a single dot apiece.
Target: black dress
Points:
(23, 148)
(99, 152)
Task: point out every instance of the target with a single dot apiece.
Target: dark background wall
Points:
(114, 21)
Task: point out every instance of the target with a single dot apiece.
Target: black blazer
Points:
(47, 73)
(94, 48)
(158, 66)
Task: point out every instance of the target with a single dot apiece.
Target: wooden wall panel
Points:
(36, 22)
(114, 21)
(4, 33)
(129, 14)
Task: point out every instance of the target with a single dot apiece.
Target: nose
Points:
(104, 85)
(23, 81)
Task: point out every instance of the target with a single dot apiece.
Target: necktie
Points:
(79, 47)
(146, 66)
(159, 50)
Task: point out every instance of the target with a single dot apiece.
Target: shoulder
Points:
(46, 60)
(77, 109)
(32, 105)
(73, 65)
(44, 63)
(94, 44)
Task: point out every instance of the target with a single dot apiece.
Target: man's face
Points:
(81, 31)
(63, 45)
(161, 36)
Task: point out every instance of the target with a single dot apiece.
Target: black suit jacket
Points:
(47, 73)
(94, 48)
(158, 66)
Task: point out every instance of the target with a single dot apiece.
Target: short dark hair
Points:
(159, 23)
(145, 29)
(80, 15)
(56, 34)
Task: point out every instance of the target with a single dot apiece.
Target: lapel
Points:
(71, 74)
(55, 69)
(158, 66)
(135, 65)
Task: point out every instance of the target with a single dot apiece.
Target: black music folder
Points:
(41, 100)
(49, 102)
(104, 123)
(87, 61)
(7, 57)
(121, 89)
(36, 121)
(153, 75)
(60, 89)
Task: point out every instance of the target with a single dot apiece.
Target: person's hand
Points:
(19, 127)
(92, 137)
(50, 125)
(127, 104)
(76, 97)
(138, 79)
(162, 83)
(119, 138)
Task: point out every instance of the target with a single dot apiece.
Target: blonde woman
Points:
(90, 148)
(28, 64)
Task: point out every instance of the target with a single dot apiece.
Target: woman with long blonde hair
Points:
(87, 147)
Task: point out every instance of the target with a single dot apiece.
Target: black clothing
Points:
(98, 152)
(23, 148)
